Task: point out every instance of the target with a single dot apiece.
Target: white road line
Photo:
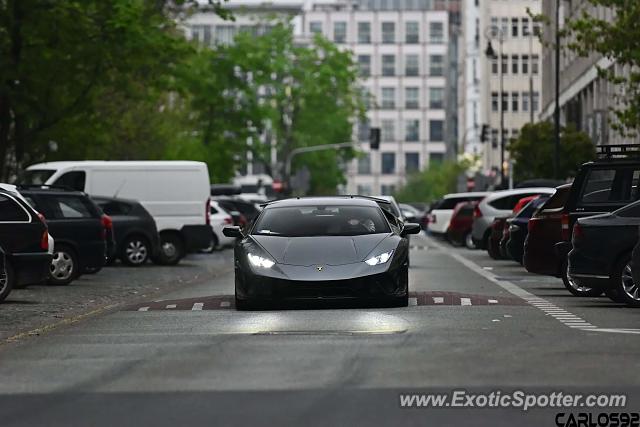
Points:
(493, 301)
(225, 304)
(197, 306)
(171, 306)
(438, 300)
(465, 301)
(143, 309)
(413, 301)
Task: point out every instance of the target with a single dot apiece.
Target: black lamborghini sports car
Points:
(322, 248)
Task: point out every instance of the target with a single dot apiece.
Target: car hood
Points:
(325, 250)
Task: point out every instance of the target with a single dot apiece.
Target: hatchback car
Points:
(24, 239)
(76, 224)
(459, 230)
(441, 214)
(518, 228)
(219, 219)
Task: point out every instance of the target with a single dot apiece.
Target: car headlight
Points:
(258, 261)
(379, 259)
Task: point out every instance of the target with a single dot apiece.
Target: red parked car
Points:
(459, 231)
(545, 230)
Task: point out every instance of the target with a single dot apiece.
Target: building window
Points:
(339, 32)
(494, 138)
(388, 98)
(412, 133)
(411, 98)
(525, 101)
(525, 64)
(514, 27)
(364, 65)
(364, 32)
(494, 65)
(515, 102)
(224, 34)
(535, 101)
(505, 64)
(436, 130)
(534, 64)
(436, 97)
(388, 65)
(387, 190)
(387, 131)
(494, 24)
(515, 59)
(436, 158)
(436, 32)
(201, 33)
(364, 164)
(494, 102)
(412, 32)
(388, 163)
(504, 25)
(315, 27)
(363, 131)
(515, 133)
(364, 190)
(525, 27)
(388, 32)
(505, 101)
(411, 162)
(366, 97)
(411, 65)
(436, 65)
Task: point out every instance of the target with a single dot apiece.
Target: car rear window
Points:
(451, 202)
(67, 207)
(609, 186)
(507, 203)
(630, 211)
(11, 211)
(115, 208)
(558, 199)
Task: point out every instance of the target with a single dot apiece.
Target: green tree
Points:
(533, 151)
(432, 183)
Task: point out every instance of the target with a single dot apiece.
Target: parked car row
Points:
(585, 232)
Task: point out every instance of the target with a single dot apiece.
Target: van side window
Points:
(74, 180)
(604, 186)
(11, 211)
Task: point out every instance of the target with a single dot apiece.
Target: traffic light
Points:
(484, 135)
(374, 138)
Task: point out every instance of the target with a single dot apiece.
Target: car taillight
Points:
(242, 220)
(564, 227)
(578, 232)
(107, 225)
(44, 241)
(207, 212)
(42, 219)
(477, 213)
(532, 224)
(228, 220)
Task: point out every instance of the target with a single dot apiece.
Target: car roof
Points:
(93, 163)
(467, 194)
(114, 199)
(44, 189)
(329, 200)
(516, 191)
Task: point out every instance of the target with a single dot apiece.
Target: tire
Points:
(624, 288)
(468, 241)
(171, 249)
(91, 270)
(574, 288)
(64, 266)
(7, 280)
(613, 295)
(213, 245)
(492, 252)
(135, 251)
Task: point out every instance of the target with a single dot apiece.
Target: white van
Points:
(176, 194)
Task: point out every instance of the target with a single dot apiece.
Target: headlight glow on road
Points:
(258, 261)
(379, 259)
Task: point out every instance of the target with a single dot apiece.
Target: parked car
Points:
(426, 217)
(410, 213)
(176, 194)
(136, 235)
(76, 224)
(518, 228)
(219, 219)
(24, 242)
(242, 212)
(441, 214)
(498, 204)
(393, 206)
(544, 231)
(459, 230)
(600, 258)
(497, 230)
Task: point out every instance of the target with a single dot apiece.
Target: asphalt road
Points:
(187, 357)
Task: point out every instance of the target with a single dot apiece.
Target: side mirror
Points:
(410, 228)
(232, 232)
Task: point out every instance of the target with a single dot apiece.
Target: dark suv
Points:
(24, 243)
(135, 230)
(76, 224)
(601, 186)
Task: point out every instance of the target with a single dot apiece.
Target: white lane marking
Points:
(493, 301)
(171, 306)
(413, 301)
(225, 304)
(197, 306)
(465, 301)
(438, 300)
(488, 268)
(143, 309)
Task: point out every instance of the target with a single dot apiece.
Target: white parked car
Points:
(176, 194)
(440, 216)
(219, 218)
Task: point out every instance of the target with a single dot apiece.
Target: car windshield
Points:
(37, 176)
(303, 221)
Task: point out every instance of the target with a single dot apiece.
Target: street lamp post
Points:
(497, 34)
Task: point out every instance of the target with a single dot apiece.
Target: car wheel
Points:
(625, 289)
(468, 241)
(64, 266)
(134, 251)
(171, 249)
(575, 288)
(7, 280)
(213, 245)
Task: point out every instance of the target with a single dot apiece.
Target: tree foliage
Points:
(534, 149)
(432, 183)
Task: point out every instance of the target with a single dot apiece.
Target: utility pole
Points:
(556, 115)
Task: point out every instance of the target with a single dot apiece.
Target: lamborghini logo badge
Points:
(319, 268)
